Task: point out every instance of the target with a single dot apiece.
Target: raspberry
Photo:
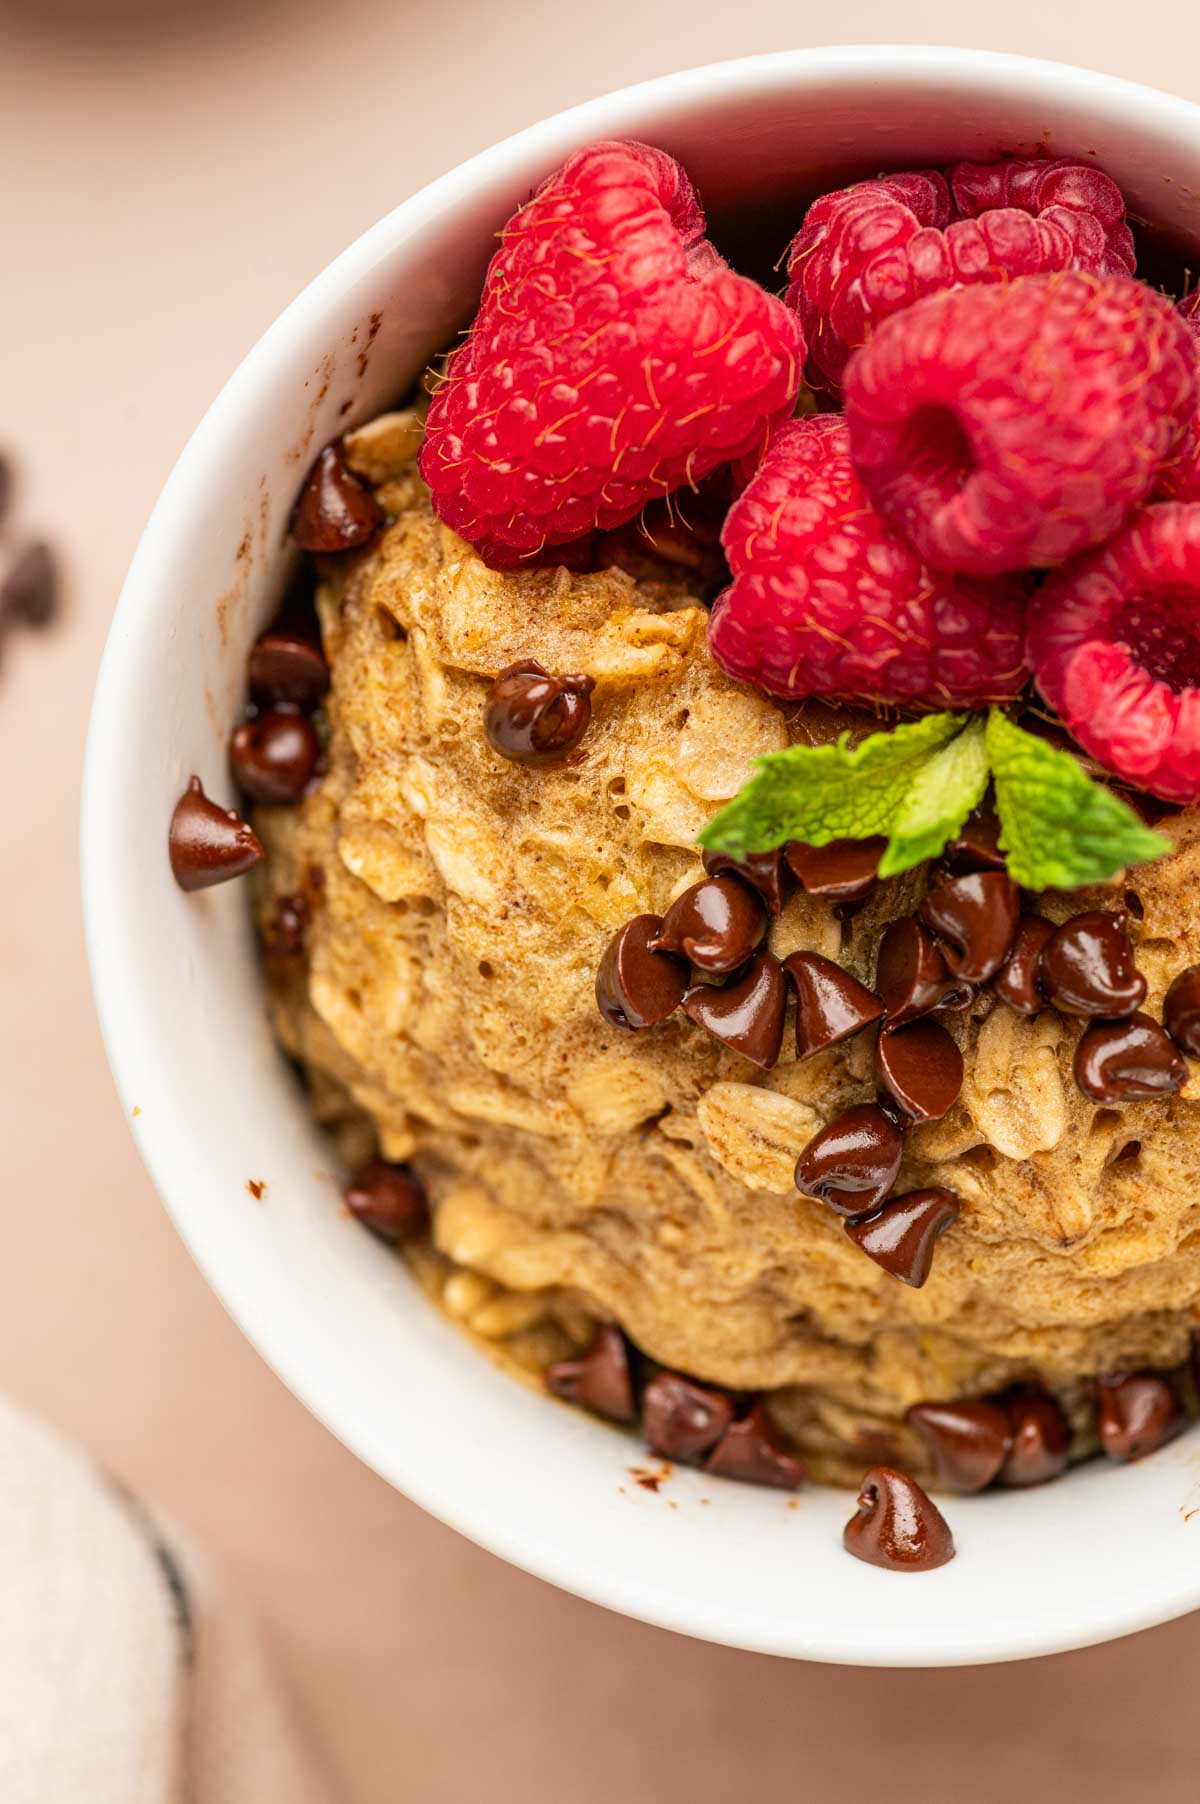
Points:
(1179, 478)
(1001, 428)
(864, 253)
(614, 357)
(1115, 648)
(827, 600)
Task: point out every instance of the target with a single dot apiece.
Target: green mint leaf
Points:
(821, 792)
(1059, 828)
(942, 794)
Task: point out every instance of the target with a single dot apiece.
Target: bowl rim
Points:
(124, 668)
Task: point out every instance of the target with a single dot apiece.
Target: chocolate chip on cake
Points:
(902, 1235)
(911, 976)
(681, 1419)
(968, 1440)
(637, 987)
(921, 1067)
(1019, 980)
(209, 844)
(1137, 1413)
(746, 1013)
(897, 1525)
(535, 718)
(763, 871)
(845, 870)
(1181, 1011)
(335, 512)
(274, 756)
(600, 1379)
(1127, 1061)
(974, 918)
(389, 1199)
(830, 1003)
(1041, 1438)
(715, 925)
(287, 664)
(751, 1452)
(853, 1161)
(1087, 967)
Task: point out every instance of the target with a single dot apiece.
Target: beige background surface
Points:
(171, 176)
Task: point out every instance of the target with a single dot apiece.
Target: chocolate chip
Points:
(535, 718)
(29, 592)
(600, 1380)
(1041, 1439)
(1181, 1011)
(1088, 968)
(763, 871)
(901, 1236)
(209, 844)
(921, 1067)
(635, 986)
(845, 870)
(288, 665)
(335, 512)
(830, 1004)
(1019, 980)
(1137, 1412)
(974, 917)
(716, 924)
(897, 1526)
(273, 756)
(1122, 1061)
(969, 1441)
(681, 1419)
(747, 1013)
(977, 847)
(911, 976)
(752, 1452)
(853, 1161)
(286, 935)
(388, 1199)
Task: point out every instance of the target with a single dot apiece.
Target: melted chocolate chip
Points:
(969, 1441)
(977, 847)
(845, 870)
(273, 756)
(209, 844)
(716, 924)
(901, 1236)
(288, 665)
(747, 1013)
(1088, 968)
(921, 1067)
(1019, 980)
(29, 592)
(1136, 1413)
(897, 1526)
(974, 917)
(1041, 1439)
(600, 1380)
(335, 512)
(681, 1419)
(830, 1004)
(636, 986)
(535, 718)
(389, 1200)
(1181, 1011)
(852, 1162)
(752, 1452)
(1125, 1061)
(911, 976)
(763, 871)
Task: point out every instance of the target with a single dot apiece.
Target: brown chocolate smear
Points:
(974, 917)
(901, 1236)
(29, 593)
(752, 1452)
(845, 870)
(977, 847)
(287, 664)
(335, 512)
(1041, 1439)
(830, 1003)
(1181, 1011)
(1127, 1061)
(968, 1441)
(716, 924)
(911, 976)
(389, 1200)
(535, 718)
(897, 1525)
(209, 844)
(1019, 980)
(853, 1161)
(1136, 1413)
(763, 871)
(681, 1419)
(921, 1067)
(274, 756)
(1088, 968)
(747, 1013)
(600, 1380)
(635, 986)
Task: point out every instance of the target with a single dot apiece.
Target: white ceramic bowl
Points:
(1104, 1551)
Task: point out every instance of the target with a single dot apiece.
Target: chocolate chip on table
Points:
(600, 1380)
(853, 1161)
(968, 1440)
(389, 1200)
(535, 718)
(287, 664)
(977, 847)
(845, 870)
(747, 1013)
(209, 844)
(763, 871)
(1128, 1061)
(635, 986)
(751, 1452)
(335, 511)
(716, 924)
(29, 592)
(1181, 1011)
(830, 1003)
(1041, 1438)
(921, 1068)
(1136, 1413)
(273, 757)
(1088, 968)
(911, 976)
(897, 1525)
(1019, 979)
(974, 918)
(902, 1235)
(681, 1419)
